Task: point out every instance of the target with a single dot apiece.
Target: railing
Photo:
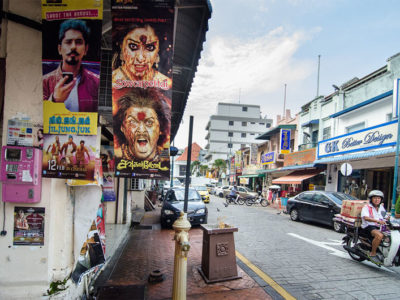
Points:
(307, 146)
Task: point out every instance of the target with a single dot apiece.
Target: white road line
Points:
(334, 251)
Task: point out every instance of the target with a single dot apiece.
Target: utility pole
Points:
(319, 62)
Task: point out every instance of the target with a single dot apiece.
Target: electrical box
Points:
(21, 174)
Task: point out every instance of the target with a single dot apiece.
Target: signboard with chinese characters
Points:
(285, 141)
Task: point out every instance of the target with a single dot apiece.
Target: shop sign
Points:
(285, 141)
(244, 180)
(268, 158)
(379, 136)
(253, 153)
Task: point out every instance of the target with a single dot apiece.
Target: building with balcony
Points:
(235, 126)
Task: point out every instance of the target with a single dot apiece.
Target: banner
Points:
(285, 141)
(108, 166)
(253, 154)
(28, 226)
(71, 75)
(142, 38)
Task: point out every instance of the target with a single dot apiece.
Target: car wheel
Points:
(338, 227)
(164, 224)
(294, 214)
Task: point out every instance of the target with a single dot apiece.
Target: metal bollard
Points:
(182, 247)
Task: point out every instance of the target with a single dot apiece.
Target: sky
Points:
(254, 47)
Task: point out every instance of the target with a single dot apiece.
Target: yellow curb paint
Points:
(280, 290)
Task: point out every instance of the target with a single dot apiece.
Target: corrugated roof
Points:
(195, 153)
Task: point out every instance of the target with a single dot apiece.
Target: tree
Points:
(194, 167)
(220, 165)
(203, 170)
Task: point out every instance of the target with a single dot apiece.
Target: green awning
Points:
(252, 175)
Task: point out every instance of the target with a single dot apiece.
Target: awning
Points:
(355, 156)
(296, 177)
(309, 123)
(252, 175)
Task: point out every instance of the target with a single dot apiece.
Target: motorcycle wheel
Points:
(249, 202)
(264, 203)
(351, 244)
(227, 200)
(240, 201)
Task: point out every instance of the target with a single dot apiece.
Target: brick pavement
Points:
(148, 250)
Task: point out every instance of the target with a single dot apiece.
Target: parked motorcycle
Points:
(234, 199)
(256, 200)
(358, 245)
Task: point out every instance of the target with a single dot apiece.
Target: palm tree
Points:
(203, 170)
(194, 167)
(220, 165)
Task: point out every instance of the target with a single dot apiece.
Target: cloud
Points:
(257, 66)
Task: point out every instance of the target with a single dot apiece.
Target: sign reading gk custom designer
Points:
(142, 34)
(71, 77)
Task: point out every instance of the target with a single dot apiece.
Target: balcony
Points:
(307, 146)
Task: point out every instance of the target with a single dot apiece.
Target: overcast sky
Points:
(254, 47)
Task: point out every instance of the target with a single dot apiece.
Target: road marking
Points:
(336, 252)
(266, 278)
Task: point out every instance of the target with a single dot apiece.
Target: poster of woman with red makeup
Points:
(142, 34)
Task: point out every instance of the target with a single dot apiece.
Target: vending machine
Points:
(21, 174)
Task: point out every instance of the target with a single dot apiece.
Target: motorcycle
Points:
(256, 200)
(358, 244)
(234, 199)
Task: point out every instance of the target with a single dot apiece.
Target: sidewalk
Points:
(149, 248)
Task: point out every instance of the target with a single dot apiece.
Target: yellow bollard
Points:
(182, 246)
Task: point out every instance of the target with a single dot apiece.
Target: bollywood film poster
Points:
(28, 226)
(108, 167)
(142, 39)
(69, 156)
(71, 69)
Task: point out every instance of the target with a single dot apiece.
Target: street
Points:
(307, 260)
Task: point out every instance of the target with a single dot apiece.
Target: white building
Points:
(343, 124)
(235, 126)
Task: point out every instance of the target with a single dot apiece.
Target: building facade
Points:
(235, 126)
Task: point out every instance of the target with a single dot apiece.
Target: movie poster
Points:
(142, 38)
(28, 226)
(69, 156)
(108, 166)
(71, 71)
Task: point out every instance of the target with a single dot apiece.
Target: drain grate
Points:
(141, 227)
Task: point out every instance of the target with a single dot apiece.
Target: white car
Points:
(219, 191)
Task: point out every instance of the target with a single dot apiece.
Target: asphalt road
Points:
(305, 259)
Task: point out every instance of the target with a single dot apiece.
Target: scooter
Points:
(234, 199)
(358, 245)
(256, 200)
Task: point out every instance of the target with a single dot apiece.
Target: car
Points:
(317, 206)
(173, 203)
(203, 191)
(219, 191)
(243, 191)
(167, 185)
(210, 188)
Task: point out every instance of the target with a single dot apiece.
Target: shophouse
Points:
(67, 211)
(358, 126)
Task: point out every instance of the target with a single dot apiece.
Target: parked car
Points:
(167, 185)
(219, 191)
(317, 206)
(173, 203)
(243, 192)
(210, 188)
(203, 191)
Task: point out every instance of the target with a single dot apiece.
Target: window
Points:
(252, 122)
(389, 117)
(268, 125)
(137, 184)
(244, 123)
(251, 133)
(182, 170)
(242, 145)
(230, 123)
(244, 108)
(326, 133)
(314, 136)
(229, 145)
(230, 133)
(262, 124)
(243, 135)
(355, 127)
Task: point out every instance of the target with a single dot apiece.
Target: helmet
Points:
(377, 193)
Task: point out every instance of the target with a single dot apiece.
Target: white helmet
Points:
(377, 193)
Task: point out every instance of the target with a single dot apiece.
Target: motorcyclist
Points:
(233, 193)
(372, 217)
